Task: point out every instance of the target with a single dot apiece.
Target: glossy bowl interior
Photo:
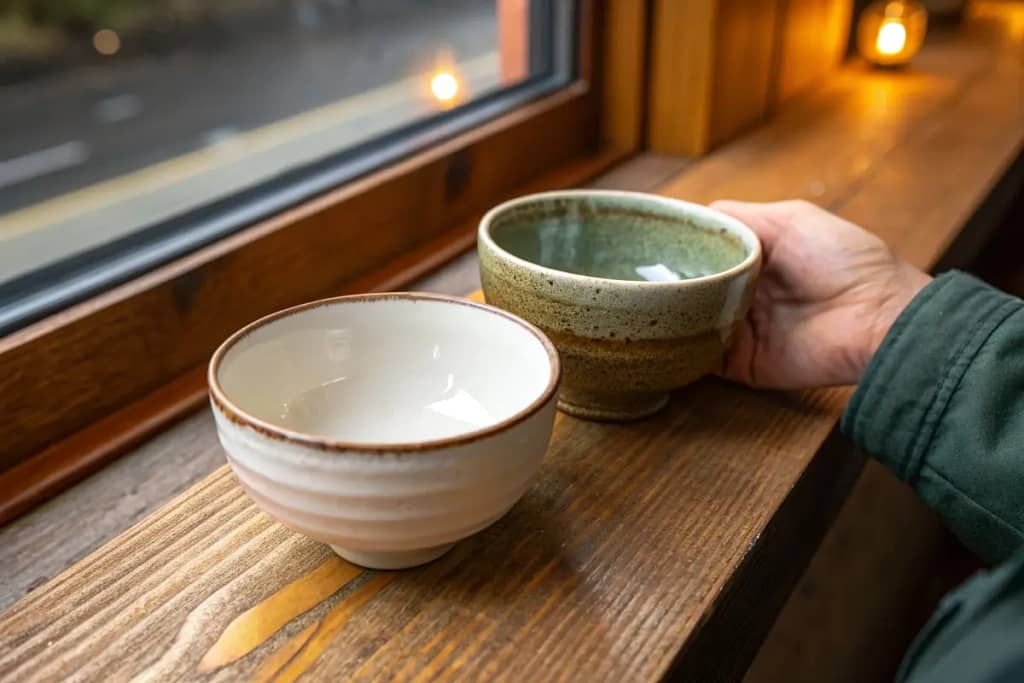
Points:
(618, 236)
(385, 370)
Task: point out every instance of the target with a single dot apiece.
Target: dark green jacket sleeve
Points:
(942, 405)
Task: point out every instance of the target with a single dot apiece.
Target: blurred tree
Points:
(77, 15)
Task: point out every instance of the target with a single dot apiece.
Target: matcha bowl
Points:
(641, 294)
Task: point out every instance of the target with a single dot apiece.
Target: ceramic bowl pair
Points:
(392, 426)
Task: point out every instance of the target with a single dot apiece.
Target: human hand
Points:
(828, 294)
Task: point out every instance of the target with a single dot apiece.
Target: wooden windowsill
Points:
(667, 546)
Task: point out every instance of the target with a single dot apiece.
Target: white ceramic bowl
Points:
(387, 425)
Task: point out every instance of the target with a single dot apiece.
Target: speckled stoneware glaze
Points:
(641, 294)
(386, 425)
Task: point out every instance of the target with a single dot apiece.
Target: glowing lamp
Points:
(106, 42)
(445, 87)
(890, 32)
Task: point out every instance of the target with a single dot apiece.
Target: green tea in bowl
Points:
(641, 294)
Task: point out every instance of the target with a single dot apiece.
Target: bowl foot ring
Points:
(392, 559)
(612, 409)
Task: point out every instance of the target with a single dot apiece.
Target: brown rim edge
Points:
(242, 418)
(752, 261)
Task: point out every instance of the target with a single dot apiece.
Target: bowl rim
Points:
(240, 417)
(750, 239)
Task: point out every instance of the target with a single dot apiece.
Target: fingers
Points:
(768, 221)
(738, 362)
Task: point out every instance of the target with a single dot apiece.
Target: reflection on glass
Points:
(121, 114)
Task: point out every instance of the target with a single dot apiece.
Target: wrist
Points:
(896, 295)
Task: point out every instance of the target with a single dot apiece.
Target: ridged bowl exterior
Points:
(386, 501)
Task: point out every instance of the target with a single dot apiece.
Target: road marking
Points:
(224, 135)
(35, 164)
(117, 108)
(151, 178)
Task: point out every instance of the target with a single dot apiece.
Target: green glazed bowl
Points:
(641, 294)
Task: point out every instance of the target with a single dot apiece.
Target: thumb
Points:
(766, 220)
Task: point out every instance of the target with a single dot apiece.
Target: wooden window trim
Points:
(738, 61)
(81, 386)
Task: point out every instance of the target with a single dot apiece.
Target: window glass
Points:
(134, 130)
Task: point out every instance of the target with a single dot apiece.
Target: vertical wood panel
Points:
(812, 43)
(624, 84)
(718, 67)
(744, 59)
(682, 60)
(711, 71)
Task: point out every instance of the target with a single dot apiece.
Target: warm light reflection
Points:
(892, 38)
(1007, 17)
(1015, 27)
(106, 42)
(445, 87)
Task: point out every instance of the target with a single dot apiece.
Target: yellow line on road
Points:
(156, 176)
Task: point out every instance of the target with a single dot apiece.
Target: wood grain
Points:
(34, 480)
(567, 576)
(681, 76)
(811, 44)
(645, 550)
(643, 173)
(719, 67)
(51, 537)
(745, 46)
(624, 66)
(712, 64)
(825, 146)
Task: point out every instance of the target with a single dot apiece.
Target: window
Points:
(103, 341)
(134, 131)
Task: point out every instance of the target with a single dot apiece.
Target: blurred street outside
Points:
(92, 151)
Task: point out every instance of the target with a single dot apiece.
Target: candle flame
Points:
(892, 38)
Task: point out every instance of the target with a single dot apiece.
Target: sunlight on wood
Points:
(256, 625)
(312, 646)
